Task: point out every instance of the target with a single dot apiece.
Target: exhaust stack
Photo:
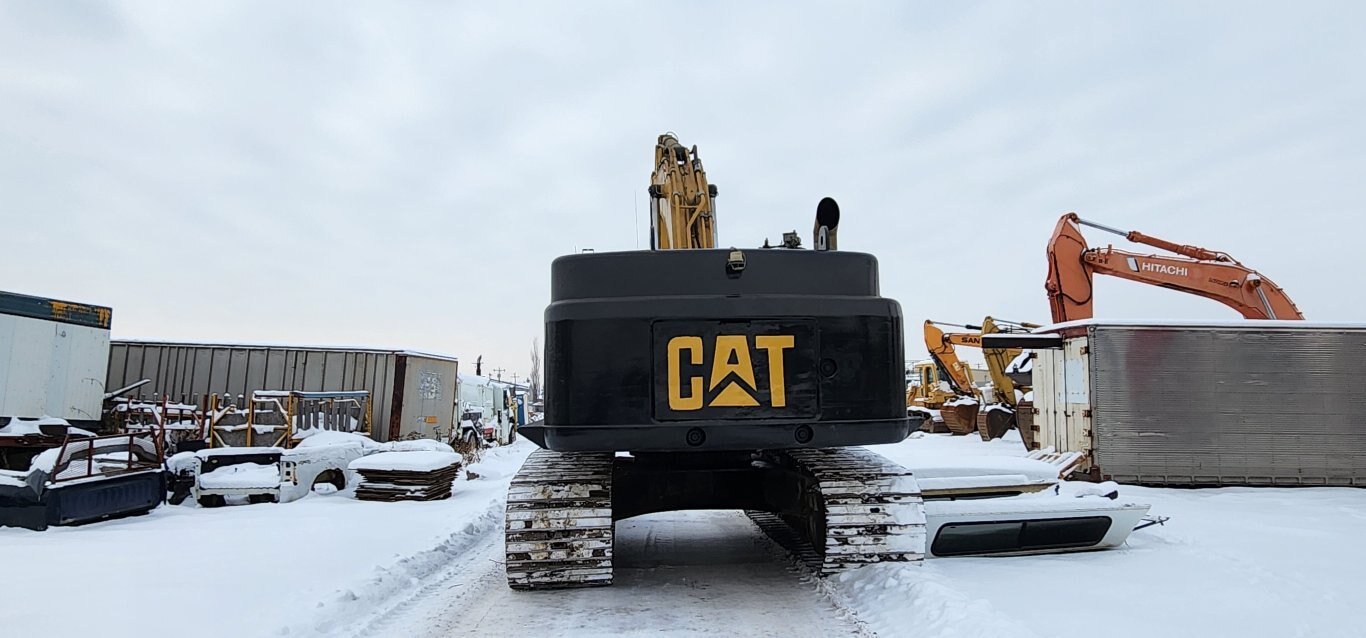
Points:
(827, 221)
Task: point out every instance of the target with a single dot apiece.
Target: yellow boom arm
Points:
(682, 206)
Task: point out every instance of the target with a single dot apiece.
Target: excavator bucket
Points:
(995, 422)
(1024, 421)
(960, 416)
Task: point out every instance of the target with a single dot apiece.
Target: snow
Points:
(330, 561)
(45, 461)
(964, 482)
(241, 475)
(180, 462)
(1248, 562)
(1022, 363)
(407, 461)
(19, 426)
(416, 445)
(237, 451)
(960, 401)
(317, 438)
(1248, 324)
(1254, 562)
(10, 478)
(947, 466)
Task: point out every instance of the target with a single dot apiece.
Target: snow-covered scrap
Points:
(84, 480)
(423, 475)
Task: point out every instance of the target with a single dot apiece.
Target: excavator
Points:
(1198, 271)
(695, 377)
(1006, 387)
(958, 406)
(961, 414)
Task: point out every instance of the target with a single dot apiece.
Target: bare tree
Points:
(535, 382)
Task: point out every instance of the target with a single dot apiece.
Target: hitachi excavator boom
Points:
(1197, 271)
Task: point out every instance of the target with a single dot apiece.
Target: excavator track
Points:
(864, 509)
(854, 508)
(559, 521)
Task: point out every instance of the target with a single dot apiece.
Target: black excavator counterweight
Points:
(676, 351)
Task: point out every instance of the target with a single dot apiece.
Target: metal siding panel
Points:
(276, 370)
(238, 372)
(256, 370)
(347, 368)
(314, 365)
(115, 377)
(133, 367)
(52, 368)
(53, 393)
(84, 366)
(151, 368)
(30, 363)
(381, 397)
(291, 373)
(218, 370)
(334, 371)
(1230, 406)
(201, 370)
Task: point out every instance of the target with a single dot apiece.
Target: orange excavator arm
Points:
(941, 347)
(1198, 271)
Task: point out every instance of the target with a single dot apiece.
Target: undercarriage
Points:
(850, 506)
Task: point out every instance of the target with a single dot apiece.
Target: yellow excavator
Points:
(957, 398)
(1006, 387)
(951, 391)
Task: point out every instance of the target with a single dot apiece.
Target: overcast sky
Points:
(402, 174)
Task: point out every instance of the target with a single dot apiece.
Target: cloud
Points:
(404, 174)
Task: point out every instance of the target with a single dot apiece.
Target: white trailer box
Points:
(53, 357)
(1187, 404)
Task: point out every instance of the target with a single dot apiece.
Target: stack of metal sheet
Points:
(406, 476)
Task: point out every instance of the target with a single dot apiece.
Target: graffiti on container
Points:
(430, 386)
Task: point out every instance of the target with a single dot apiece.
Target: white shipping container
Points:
(1206, 404)
(53, 357)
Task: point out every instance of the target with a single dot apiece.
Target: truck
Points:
(486, 412)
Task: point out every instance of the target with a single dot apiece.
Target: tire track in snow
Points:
(680, 573)
(397, 588)
(390, 596)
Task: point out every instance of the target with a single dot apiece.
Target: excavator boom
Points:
(941, 347)
(1072, 265)
(682, 201)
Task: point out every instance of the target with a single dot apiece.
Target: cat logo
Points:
(732, 371)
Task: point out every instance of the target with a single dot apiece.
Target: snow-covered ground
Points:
(1245, 562)
(1267, 562)
(302, 568)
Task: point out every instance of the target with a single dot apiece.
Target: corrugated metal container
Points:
(52, 358)
(1251, 403)
(411, 393)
